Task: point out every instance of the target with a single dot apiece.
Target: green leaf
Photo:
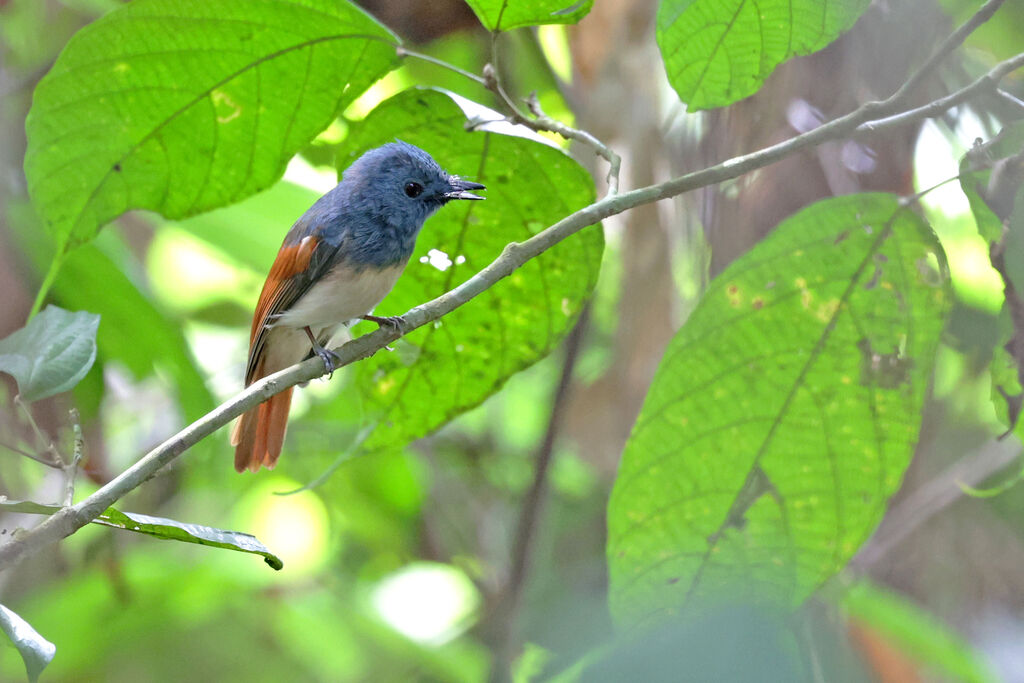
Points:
(35, 650)
(502, 15)
(443, 369)
(181, 106)
(915, 633)
(167, 529)
(783, 414)
(719, 51)
(52, 353)
(135, 331)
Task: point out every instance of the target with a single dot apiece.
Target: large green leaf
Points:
(719, 51)
(783, 414)
(502, 15)
(443, 369)
(181, 106)
(52, 353)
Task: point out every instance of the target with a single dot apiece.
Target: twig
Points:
(514, 255)
(1010, 99)
(31, 456)
(503, 619)
(987, 82)
(932, 497)
(955, 39)
(542, 121)
(45, 443)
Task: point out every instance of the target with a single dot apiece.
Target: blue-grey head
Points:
(404, 183)
(384, 198)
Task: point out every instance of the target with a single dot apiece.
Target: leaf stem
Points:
(403, 52)
(51, 277)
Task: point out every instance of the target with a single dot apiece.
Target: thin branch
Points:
(986, 83)
(503, 619)
(541, 122)
(68, 520)
(1010, 99)
(31, 456)
(932, 497)
(955, 39)
(47, 444)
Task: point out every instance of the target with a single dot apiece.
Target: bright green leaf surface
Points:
(916, 633)
(502, 15)
(35, 650)
(443, 369)
(181, 106)
(167, 529)
(52, 353)
(719, 51)
(783, 414)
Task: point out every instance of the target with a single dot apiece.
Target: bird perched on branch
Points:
(338, 262)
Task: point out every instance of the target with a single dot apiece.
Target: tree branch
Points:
(70, 519)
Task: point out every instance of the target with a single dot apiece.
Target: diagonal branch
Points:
(516, 254)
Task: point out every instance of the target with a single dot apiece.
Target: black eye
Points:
(413, 190)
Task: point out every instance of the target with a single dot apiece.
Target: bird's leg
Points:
(394, 321)
(326, 355)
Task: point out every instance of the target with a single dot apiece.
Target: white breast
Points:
(340, 296)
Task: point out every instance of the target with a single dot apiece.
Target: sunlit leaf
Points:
(167, 529)
(915, 632)
(719, 51)
(181, 106)
(443, 369)
(52, 353)
(35, 650)
(783, 414)
(502, 15)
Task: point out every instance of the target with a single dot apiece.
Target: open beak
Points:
(461, 189)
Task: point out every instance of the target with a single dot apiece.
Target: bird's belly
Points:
(340, 296)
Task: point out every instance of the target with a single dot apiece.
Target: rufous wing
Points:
(259, 433)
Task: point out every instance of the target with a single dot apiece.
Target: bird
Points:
(338, 261)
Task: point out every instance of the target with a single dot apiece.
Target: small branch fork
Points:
(865, 119)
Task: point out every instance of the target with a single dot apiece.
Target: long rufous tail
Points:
(259, 434)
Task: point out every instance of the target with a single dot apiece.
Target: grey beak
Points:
(460, 189)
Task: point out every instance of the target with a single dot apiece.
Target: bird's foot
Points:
(326, 355)
(395, 322)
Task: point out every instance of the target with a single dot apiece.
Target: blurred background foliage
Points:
(396, 566)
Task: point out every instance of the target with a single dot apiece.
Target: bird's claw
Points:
(328, 357)
(395, 322)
